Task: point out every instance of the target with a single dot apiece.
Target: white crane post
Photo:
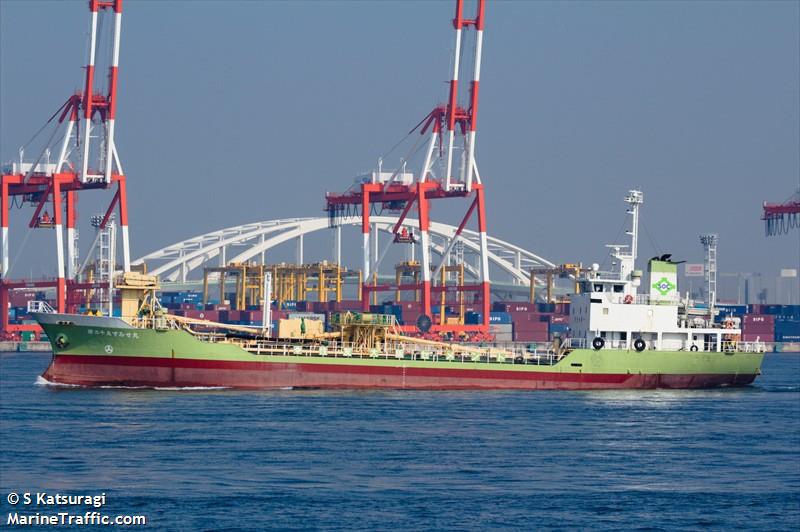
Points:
(266, 324)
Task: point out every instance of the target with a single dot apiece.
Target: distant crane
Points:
(87, 159)
(449, 125)
(780, 218)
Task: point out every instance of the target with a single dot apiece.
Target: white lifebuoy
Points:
(628, 299)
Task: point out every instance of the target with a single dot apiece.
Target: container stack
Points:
(758, 328)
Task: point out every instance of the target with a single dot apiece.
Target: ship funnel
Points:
(662, 280)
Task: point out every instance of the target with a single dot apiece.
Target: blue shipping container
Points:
(473, 318)
(735, 310)
(784, 326)
(500, 318)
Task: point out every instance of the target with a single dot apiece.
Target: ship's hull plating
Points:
(133, 357)
(164, 372)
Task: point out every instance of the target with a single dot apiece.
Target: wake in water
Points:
(188, 388)
(41, 381)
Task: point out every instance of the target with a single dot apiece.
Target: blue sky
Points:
(232, 112)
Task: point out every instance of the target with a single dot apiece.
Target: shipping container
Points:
(530, 326)
(758, 323)
(526, 316)
(520, 336)
(345, 305)
(473, 318)
(787, 324)
(735, 310)
(210, 315)
(500, 317)
(756, 337)
(513, 306)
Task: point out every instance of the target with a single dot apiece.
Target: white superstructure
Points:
(610, 311)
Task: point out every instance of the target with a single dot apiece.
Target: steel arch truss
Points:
(177, 261)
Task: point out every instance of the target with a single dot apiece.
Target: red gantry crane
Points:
(87, 160)
(780, 218)
(446, 124)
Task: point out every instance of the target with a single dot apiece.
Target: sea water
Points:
(211, 459)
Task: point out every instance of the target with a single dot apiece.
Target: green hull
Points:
(97, 355)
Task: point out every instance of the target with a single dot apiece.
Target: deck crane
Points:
(87, 159)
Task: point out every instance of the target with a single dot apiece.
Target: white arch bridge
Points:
(246, 242)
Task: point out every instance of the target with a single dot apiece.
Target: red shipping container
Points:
(210, 315)
(758, 323)
(754, 319)
(20, 298)
(530, 326)
(758, 337)
(531, 336)
(525, 316)
(340, 306)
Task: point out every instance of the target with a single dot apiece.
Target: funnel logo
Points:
(663, 286)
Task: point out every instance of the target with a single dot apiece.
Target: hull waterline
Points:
(97, 352)
(168, 372)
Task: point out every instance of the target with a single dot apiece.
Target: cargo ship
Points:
(619, 339)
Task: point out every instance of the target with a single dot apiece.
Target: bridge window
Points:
(618, 288)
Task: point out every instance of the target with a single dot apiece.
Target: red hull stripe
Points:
(147, 371)
(336, 368)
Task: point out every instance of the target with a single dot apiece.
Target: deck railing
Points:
(727, 346)
(393, 351)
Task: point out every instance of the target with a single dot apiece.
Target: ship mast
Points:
(627, 259)
(635, 198)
